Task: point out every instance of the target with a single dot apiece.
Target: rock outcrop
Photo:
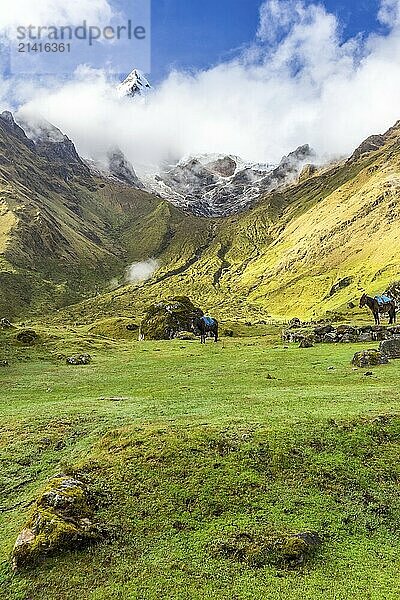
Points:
(218, 185)
(62, 519)
(80, 359)
(165, 320)
(391, 348)
(369, 358)
(8, 122)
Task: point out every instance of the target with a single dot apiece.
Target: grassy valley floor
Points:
(190, 450)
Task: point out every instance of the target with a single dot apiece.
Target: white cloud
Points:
(389, 12)
(297, 83)
(53, 12)
(141, 271)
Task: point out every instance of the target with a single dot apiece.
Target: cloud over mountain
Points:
(297, 82)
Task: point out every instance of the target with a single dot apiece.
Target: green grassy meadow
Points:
(206, 443)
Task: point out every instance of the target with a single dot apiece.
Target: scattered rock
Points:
(28, 337)
(340, 285)
(186, 335)
(368, 374)
(132, 327)
(369, 358)
(80, 359)
(5, 324)
(4, 363)
(323, 330)
(306, 343)
(346, 330)
(390, 348)
(62, 519)
(344, 334)
(228, 332)
(294, 323)
(329, 338)
(347, 338)
(365, 337)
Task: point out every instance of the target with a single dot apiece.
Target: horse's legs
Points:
(376, 315)
(216, 335)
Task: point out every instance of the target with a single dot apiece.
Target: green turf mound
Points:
(115, 328)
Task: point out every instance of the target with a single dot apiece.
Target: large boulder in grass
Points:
(369, 358)
(27, 337)
(165, 319)
(257, 549)
(390, 348)
(62, 519)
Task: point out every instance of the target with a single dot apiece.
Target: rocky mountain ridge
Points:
(219, 185)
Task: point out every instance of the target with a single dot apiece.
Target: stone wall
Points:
(344, 334)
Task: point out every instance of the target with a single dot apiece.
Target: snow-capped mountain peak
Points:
(217, 185)
(135, 84)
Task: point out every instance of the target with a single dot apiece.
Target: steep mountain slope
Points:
(306, 250)
(62, 231)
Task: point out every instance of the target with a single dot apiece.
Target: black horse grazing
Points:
(205, 325)
(386, 307)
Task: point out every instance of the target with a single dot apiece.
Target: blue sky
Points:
(197, 34)
(186, 35)
(300, 83)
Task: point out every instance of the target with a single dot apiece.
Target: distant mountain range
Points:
(218, 185)
(206, 185)
(300, 250)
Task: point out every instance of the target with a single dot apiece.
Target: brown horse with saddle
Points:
(380, 305)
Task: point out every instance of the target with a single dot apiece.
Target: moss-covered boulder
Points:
(258, 549)
(165, 319)
(27, 337)
(62, 519)
(369, 358)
